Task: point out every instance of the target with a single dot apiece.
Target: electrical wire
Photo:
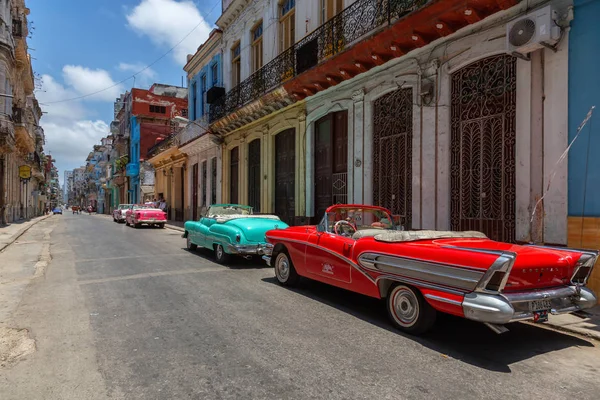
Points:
(202, 20)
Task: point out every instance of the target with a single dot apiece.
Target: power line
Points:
(143, 69)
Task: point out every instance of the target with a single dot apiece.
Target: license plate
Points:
(540, 305)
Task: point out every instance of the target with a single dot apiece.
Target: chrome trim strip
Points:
(415, 282)
(345, 259)
(545, 294)
(478, 250)
(585, 251)
(421, 270)
(443, 299)
(267, 260)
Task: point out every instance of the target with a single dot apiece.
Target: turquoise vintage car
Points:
(231, 229)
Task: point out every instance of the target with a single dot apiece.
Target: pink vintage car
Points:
(139, 215)
(421, 273)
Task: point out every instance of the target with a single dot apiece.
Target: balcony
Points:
(132, 169)
(366, 34)
(171, 141)
(25, 142)
(7, 136)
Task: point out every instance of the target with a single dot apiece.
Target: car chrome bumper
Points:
(253, 249)
(510, 307)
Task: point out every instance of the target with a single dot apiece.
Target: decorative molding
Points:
(358, 95)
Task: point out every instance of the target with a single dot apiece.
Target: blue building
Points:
(584, 163)
(206, 76)
(133, 168)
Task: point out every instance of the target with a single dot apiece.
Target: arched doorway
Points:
(482, 147)
(392, 153)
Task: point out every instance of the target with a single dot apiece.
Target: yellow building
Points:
(170, 175)
(263, 164)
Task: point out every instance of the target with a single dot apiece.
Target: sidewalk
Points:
(10, 233)
(587, 325)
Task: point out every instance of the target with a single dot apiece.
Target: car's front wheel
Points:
(408, 309)
(190, 246)
(284, 270)
(220, 254)
(127, 223)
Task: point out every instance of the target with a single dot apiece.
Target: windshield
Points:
(347, 221)
(229, 210)
(139, 206)
(124, 206)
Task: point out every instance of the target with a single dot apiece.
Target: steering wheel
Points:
(338, 231)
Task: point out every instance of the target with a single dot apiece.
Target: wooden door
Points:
(195, 192)
(234, 160)
(331, 161)
(254, 174)
(392, 153)
(482, 148)
(285, 175)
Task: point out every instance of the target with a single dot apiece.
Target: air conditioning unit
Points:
(533, 31)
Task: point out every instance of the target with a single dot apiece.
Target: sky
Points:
(81, 47)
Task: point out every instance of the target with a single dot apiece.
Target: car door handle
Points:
(347, 247)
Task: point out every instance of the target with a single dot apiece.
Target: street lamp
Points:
(216, 139)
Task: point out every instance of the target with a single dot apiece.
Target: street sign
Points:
(25, 172)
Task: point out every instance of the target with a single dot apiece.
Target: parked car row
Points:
(418, 273)
(136, 215)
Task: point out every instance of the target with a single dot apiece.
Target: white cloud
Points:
(71, 127)
(142, 80)
(166, 22)
(86, 81)
(71, 141)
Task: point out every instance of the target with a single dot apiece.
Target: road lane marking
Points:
(129, 257)
(151, 275)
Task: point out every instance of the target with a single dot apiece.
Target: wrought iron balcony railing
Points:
(170, 141)
(329, 39)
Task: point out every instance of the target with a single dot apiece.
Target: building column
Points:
(356, 148)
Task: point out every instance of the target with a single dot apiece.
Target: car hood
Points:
(254, 229)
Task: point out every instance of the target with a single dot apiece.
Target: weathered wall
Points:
(542, 125)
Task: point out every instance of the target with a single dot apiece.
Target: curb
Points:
(21, 232)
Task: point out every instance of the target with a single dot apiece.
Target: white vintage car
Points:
(119, 212)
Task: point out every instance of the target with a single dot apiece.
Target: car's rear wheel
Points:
(284, 270)
(190, 246)
(408, 309)
(137, 225)
(220, 254)
(127, 223)
(161, 226)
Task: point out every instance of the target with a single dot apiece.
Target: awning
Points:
(147, 189)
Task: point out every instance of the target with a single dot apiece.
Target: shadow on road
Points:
(235, 262)
(459, 338)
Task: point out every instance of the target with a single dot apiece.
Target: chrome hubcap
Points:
(219, 251)
(405, 306)
(282, 267)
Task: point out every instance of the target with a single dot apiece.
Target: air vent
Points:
(522, 32)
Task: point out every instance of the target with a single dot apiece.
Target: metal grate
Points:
(392, 153)
(339, 186)
(482, 173)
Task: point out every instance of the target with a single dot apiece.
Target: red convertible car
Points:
(139, 215)
(420, 273)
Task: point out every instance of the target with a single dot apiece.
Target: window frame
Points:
(324, 9)
(203, 89)
(287, 24)
(214, 70)
(194, 100)
(236, 65)
(256, 47)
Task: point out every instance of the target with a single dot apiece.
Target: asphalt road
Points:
(126, 313)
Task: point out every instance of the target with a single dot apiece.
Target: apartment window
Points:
(235, 65)
(257, 46)
(158, 109)
(194, 100)
(184, 112)
(215, 74)
(203, 93)
(287, 24)
(329, 9)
